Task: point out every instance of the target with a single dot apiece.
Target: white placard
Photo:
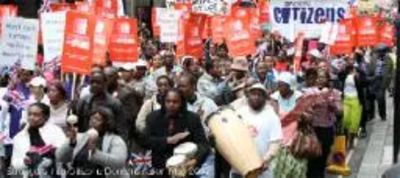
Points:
(290, 17)
(210, 7)
(19, 42)
(168, 20)
(53, 27)
(329, 33)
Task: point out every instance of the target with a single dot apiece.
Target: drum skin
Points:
(234, 142)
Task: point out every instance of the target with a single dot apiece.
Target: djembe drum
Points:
(234, 142)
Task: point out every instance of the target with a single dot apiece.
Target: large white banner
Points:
(289, 17)
(168, 20)
(53, 27)
(19, 42)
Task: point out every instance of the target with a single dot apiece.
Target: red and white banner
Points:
(78, 43)
(124, 42)
(102, 34)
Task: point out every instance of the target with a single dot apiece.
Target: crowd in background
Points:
(162, 101)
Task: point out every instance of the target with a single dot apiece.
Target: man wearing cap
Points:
(37, 86)
(140, 82)
(259, 114)
(239, 72)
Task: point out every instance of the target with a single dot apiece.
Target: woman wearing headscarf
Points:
(286, 164)
(171, 126)
(29, 153)
(96, 153)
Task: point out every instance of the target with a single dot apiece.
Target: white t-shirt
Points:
(350, 89)
(59, 116)
(265, 127)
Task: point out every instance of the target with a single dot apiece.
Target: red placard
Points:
(386, 34)
(193, 35)
(106, 8)
(78, 43)
(190, 43)
(264, 11)
(56, 7)
(255, 26)
(7, 11)
(102, 34)
(155, 26)
(206, 30)
(238, 33)
(217, 29)
(85, 7)
(344, 42)
(124, 41)
(366, 31)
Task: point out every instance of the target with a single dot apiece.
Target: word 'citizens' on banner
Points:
(124, 42)
(292, 17)
(78, 43)
(19, 42)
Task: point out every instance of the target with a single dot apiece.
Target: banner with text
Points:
(168, 21)
(290, 17)
(124, 41)
(19, 42)
(53, 27)
(7, 11)
(102, 35)
(78, 43)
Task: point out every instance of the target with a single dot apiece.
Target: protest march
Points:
(192, 88)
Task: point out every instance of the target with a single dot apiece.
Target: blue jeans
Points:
(207, 169)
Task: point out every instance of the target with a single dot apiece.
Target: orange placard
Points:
(102, 34)
(78, 43)
(106, 8)
(193, 35)
(190, 43)
(124, 41)
(238, 33)
(263, 7)
(7, 11)
(386, 34)
(217, 29)
(56, 7)
(344, 42)
(366, 31)
(155, 26)
(206, 30)
(255, 25)
(85, 7)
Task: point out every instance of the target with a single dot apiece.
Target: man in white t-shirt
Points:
(263, 123)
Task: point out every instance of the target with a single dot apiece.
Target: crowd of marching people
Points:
(124, 120)
(159, 103)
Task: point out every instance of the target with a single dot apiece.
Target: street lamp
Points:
(396, 119)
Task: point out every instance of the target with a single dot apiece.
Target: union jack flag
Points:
(141, 161)
(17, 99)
(52, 65)
(45, 6)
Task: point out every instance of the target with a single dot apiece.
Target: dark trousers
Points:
(381, 100)
(222, 167)
(316, 166)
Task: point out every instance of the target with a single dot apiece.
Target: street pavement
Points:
(373, 155)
